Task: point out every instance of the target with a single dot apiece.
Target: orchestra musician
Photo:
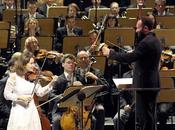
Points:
(24, 114)
(68, 30)
(89, 75)
(31, 27)
(146, 71)
(65, 80)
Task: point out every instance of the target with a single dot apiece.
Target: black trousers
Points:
(145, 110)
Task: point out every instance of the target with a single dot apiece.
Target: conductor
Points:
(146, 56)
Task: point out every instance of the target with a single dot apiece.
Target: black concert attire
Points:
(5, 106)
(145, 76)
(63, 32)
(60, 86)
(99, 112)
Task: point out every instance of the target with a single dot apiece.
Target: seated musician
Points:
(95, 4)
(160, 9)
(92, 76)
(43, 9)
(115, 9)
(31, 27)
(32, 7)
(68, 30)
(138, 4)
(66, 79)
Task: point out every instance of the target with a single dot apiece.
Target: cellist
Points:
(65, 80)
(89, 75)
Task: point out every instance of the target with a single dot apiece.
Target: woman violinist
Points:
(24, 114)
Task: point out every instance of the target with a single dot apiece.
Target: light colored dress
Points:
(23, 118)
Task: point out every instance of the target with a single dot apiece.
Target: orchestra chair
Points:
(45, 42)
(166, 22)
(101, 12)
(4, 36)
(166, 36)
(73, 44)
(127, 22)
(57, 11)
(134, 12)
(46, 26)
(10, 14)
(86, 25)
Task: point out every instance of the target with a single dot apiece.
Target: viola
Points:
(52, 55)
(44, 75)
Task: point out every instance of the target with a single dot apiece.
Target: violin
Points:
(52, 55)
(44, 76)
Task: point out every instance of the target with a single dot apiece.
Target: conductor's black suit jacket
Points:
(146, 57)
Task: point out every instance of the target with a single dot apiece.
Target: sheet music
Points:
(123, 81)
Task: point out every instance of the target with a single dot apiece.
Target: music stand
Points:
(166, 36)
(133, 12)
(73, 44)
(101, 12)
(85, 25)
(81, 98)
(10, 14)
(44, 42)
(121, 37)
(57, 11)
(46, 26)
(100, 63)
(167, 91)
(165, 21)
(5, 25)
(121, 83)
(127, 22)
(4, 38)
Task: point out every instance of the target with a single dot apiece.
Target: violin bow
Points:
(39, 74)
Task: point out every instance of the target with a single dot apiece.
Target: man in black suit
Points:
(43, 9)
(32, 11)
(89, 75)
(160, 9)
(68, 30)
(65, 80)
(95, 4)
(138, 4)
(146, 71)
